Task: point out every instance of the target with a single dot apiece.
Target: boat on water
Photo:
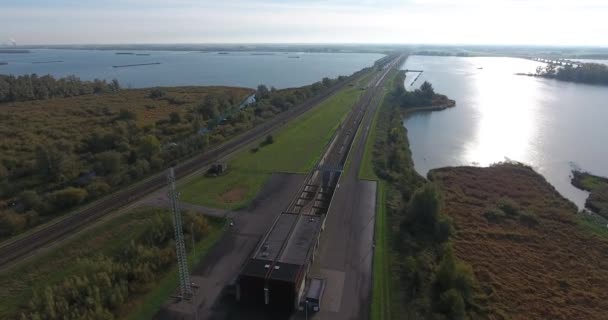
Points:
(480, 68)
(294, 57)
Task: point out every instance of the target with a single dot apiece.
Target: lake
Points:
(180, 68)
(550, 125)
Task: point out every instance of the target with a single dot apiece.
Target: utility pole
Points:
(180, 247)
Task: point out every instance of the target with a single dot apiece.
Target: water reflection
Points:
(545, 123)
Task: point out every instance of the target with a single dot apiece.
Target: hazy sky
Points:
(541, 22)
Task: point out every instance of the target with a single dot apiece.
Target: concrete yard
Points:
(225, 259)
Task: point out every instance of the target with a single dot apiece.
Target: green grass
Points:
(296, 149)
(381, 295)
(592, 225)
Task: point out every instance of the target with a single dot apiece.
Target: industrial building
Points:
(276, 273)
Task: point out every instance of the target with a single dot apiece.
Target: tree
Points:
(50, 162)
(114, 85)
(108, 162)
(423, 208)
(126, 115)
(148, 147)
(262, 93)
(427, 90)
(209, 108)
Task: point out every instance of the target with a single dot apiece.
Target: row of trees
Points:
(34, 87)
(64, 173)
(432, 282)
(104, 283)
(592, 73)
(422, 97)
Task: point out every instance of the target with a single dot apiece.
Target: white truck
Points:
(314, 294)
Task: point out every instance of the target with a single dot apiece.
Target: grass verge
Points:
(296, 148)
(381, 295)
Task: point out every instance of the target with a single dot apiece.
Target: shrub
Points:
(269, 140)
(68, 197)
(452, 305)
(495, 215)
(508, 206)
(97, 189)
(157, 93)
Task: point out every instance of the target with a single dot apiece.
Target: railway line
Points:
(14, 250)
(277, 271)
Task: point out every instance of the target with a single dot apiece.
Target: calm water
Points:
(190, 68)
(552, 126)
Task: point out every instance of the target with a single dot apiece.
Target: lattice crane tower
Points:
(180, 247)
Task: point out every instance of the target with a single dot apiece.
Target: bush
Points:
(508, 206)
(68, 197)
(97, 189)
(157, 93)
(453, 274)
(269, 140)
(126, 115)
(31, 200)
(452, 305)
(11, 223)
(495, 215)
(174, 117)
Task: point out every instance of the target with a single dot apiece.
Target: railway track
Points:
(13, 251)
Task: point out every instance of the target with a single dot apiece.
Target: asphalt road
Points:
(345, 256)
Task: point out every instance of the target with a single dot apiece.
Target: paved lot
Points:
(224, 261)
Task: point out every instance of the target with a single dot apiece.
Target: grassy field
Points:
(75, 117)
(296, 148)
(110, 238)
(537, 243)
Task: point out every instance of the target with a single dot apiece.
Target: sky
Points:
(523, 22)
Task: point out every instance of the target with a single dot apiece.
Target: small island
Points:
(422, 99)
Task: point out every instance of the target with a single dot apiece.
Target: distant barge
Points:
(13, 51)
(3, 63)
(52, 61)
(142, 54)
(125, 53)
(135, 65)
